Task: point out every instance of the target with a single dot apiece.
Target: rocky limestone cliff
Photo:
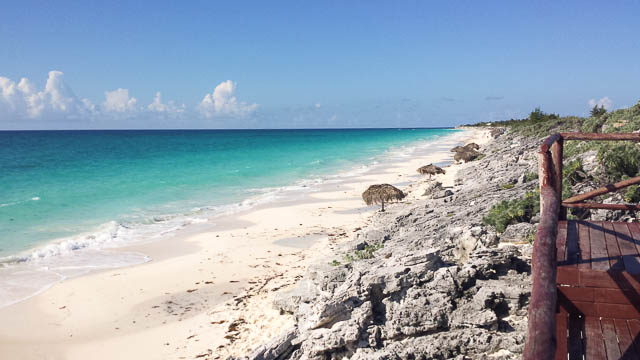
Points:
(442, 285)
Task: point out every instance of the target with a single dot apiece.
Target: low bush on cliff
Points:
(620, 160)
(509, 212)
(632, 194)
(541, 124)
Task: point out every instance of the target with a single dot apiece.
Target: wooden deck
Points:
(585, 299)
(598, 290)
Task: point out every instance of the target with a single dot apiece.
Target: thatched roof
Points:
(466, 156)
(379, 193)
(468, 147)
(431, 170)
(472, 146)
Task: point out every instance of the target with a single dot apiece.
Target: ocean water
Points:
(67, 194)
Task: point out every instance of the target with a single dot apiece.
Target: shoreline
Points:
(201, 286)
(65, 258)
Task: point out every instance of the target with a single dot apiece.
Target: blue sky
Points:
(311, 64)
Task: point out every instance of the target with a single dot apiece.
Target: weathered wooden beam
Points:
(545, 170)
(556, 158)
(599, 136)
(603, 190)
(541, 339)
(631, 207)
(546, 144)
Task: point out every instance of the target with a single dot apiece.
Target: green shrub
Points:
(335, 263)
(509, 212)
(507, 186)
(366, 253)
(632, 194)
(619, 160)
(573, 173)
(541, 124)
(531, 237)
(593, 124)
(598, 111)
(530, 176)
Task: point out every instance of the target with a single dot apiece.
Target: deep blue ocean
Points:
(77, 189)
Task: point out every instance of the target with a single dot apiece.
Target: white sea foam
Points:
(35, 198)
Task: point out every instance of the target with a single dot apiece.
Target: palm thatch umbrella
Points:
(468, 147)
(431, 170)
(472, 146)
(466, 156)
(379, 193)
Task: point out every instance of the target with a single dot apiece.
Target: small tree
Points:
(598, 111)
(538, 115)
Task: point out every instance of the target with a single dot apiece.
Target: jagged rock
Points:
(518, 233)
(590, 163)
(432, 187)
(277, 348)
(442, 194)
(495, 132)
(440, 288)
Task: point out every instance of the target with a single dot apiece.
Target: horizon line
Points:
(239, 129)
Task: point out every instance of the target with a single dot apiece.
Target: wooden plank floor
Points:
(599, 254)
(599, 245)
(597, 338)
(598, 279)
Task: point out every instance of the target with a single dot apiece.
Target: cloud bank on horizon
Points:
(56, 106)
(23, 101)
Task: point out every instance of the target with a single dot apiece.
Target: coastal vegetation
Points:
(541, 124)
(632, 194)
(613, 161)
(530, 176)
(366, 253)
(507, 186)
(508, 212)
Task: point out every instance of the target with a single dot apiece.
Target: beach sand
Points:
(207, 292)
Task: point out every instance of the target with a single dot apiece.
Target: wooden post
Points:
(556, 156)
(545, 171)
(541, 338)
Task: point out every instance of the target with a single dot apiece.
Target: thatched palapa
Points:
(466, 156)
(469, 147)
(466, 153)
(381, 193)
(431, 170)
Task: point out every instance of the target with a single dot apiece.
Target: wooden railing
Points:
(541, 339)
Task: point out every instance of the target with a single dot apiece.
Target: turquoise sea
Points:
(62, 191)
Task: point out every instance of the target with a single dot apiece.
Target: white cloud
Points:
(168, 108)
(605, 101)
(118, 100)
(223, 102)
(55, 105)
(23, 100)
(318, 106)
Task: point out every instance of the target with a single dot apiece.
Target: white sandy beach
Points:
(207, 292)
